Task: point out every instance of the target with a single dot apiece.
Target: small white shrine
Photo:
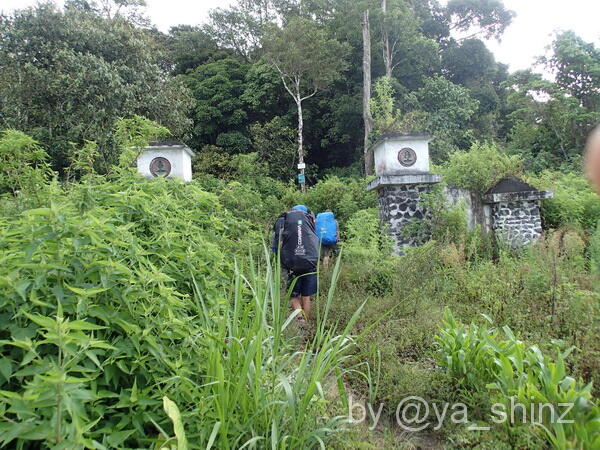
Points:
(399, 154)
(168, 159)
(402, 179)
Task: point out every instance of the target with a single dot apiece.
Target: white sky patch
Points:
(534, 27)
(524, 40)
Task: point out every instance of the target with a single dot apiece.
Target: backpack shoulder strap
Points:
(280, 221)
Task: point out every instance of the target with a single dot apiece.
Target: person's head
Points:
(592, 158)
(300, 208)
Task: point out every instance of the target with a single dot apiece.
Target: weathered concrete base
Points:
(513, 217)
(399, 206)
(409, 178)
(401, 203)
(517, 223)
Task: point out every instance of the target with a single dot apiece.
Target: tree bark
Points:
(367, 118)
(387, 53)
(300, 140)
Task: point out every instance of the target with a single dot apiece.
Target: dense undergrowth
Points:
(136, 315)
(553, 404)
(127, 302)
(545, 292)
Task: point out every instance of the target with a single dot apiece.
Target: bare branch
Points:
(310, 95)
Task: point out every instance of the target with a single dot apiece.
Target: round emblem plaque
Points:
(407, 157)
(160, 167)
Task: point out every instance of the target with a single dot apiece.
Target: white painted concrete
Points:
(386, 154)
(180, 157)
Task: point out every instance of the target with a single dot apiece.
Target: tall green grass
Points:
(127, 325)
(263, 386)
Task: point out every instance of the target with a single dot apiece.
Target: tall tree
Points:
(576, 65)
(133, 11)
(546, 124)
(367, 118)
(307, 61)
(485, 18)
(399, 27)
(387, 51)
(66, 77)
(220, 113)
(187, 47)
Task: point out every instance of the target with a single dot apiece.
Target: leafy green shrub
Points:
(574, 200)
(252, 194)
(479, 359)
(480, 168)
(23, 164)
(275, 143)
(369, 251)
(212, 160)
(595, 251)
(466, 352)
(343, 196)
(246, 203)
(121, 293)
(242, 184)
(96, 289)
(133, 134)
(386, 116)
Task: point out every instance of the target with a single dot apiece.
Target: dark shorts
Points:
(306, 284)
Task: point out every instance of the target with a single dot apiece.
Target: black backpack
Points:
(299, 241)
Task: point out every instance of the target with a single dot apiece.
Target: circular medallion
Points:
(160, 167)
(407, 157)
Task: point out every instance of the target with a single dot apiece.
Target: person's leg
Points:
(296, 296)
(309, 287)
(306, 306)
(326, 251)
(296, 302)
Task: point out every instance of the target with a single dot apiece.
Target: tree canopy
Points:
(68, 75)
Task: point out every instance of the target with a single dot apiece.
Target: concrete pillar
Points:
(515, 210)
(516, 218)
(402, 177)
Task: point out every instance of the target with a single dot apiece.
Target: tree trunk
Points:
(300, 140)
(387, 55)
(367, 118)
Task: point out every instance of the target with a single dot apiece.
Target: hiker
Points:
(294, 233)
(328, 233)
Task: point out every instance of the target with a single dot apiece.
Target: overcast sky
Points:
(527, 37)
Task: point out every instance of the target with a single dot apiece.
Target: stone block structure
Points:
(402, 178)
(515, 211)
(510, 209)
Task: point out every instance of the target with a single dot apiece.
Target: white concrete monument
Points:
(398, 154)
(402, 179)
(166, 159)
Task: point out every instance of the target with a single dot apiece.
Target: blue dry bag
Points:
(326, 227)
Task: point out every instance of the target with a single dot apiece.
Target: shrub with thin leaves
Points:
(479, 168)
(480, 359)
(121, 293)
(23, 164)
(574, 201)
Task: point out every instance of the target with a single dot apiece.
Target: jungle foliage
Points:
(147, 314)
(131, 304)
(67, 75)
